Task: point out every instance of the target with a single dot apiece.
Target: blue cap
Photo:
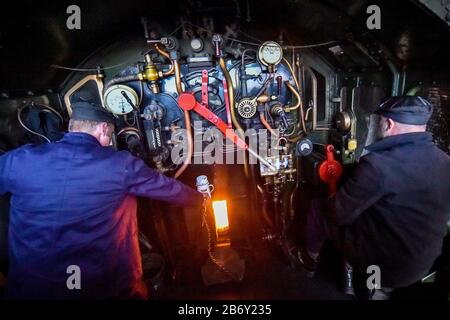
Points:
(87, 111)
(406, 109)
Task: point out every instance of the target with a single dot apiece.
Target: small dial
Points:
(197, 45)
(270, 53)
(118, 97)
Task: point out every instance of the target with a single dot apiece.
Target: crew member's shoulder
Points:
(373, 160)
(440, 154)
(24, 150)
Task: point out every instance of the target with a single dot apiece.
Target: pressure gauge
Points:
(197, 45)
(270, 53)
(118, 97)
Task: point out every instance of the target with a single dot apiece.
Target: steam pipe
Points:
(177, 76)
(232, 107)
(123, 79)
(298, 105)
(396, 78)
(266, 124)
(165, 54)
(187, 121)
(231, 95)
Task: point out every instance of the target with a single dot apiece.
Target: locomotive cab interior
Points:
(294, 81)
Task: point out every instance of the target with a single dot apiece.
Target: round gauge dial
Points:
(197, 44)
(115, 99)
(270, 53)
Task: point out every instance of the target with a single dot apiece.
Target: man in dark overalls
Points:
(392, 212)
(73, 212)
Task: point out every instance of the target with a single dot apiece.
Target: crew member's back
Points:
(73, 204)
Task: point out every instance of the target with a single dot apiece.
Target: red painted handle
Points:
(187, 102)
(330, 171)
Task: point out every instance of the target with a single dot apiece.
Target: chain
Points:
(210, 253)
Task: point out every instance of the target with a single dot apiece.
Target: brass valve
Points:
(150, 73)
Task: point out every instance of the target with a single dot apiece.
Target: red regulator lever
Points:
(205, 80)
(330, 171)
(187, 102)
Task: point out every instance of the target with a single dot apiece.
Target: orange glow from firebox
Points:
(221, 215)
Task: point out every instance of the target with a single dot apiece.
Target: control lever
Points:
(279, 84)
(187, 102)
(205, 80)
(330, 171)
(217, 41)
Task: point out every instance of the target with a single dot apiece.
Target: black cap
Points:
(406, 109)
(87, 111)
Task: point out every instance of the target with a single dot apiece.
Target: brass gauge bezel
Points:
(261, 53)
(128, 90)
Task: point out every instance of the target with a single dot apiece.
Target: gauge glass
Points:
(116, 102)
(196, 44)
(270, 53)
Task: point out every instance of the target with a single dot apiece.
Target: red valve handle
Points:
(205, 81)
(330, 171)
(188, 102)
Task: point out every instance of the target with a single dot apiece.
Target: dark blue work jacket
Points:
(393, 210)
(73, 209)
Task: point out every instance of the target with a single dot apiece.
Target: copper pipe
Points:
(231, 96)
(187, 121)
(177, 76)
(298, 105)
(292, 72)
(232, 106)
(266, 124)
(297, 96)
(167, 55)
(129, 129)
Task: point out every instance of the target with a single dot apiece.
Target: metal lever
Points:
(187, 102)
(205, 80)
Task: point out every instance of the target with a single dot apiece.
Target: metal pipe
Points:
(266, 124)
(263, 161)
(232, 107)
(177, 76)
(292, 72)
(314, 96)
(396, 78)
(123, 79)
(165, 54)
(298, 105)
(402, 89)
(231, 95)
(187, 121)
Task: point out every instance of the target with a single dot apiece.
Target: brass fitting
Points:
(352, 144)
(150, 73)
(263, 98)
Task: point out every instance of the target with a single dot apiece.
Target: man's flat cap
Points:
(87, 111)
(406, 109)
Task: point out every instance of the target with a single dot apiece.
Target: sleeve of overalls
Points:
(358, 193)
(5, 169)
(144, 181)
